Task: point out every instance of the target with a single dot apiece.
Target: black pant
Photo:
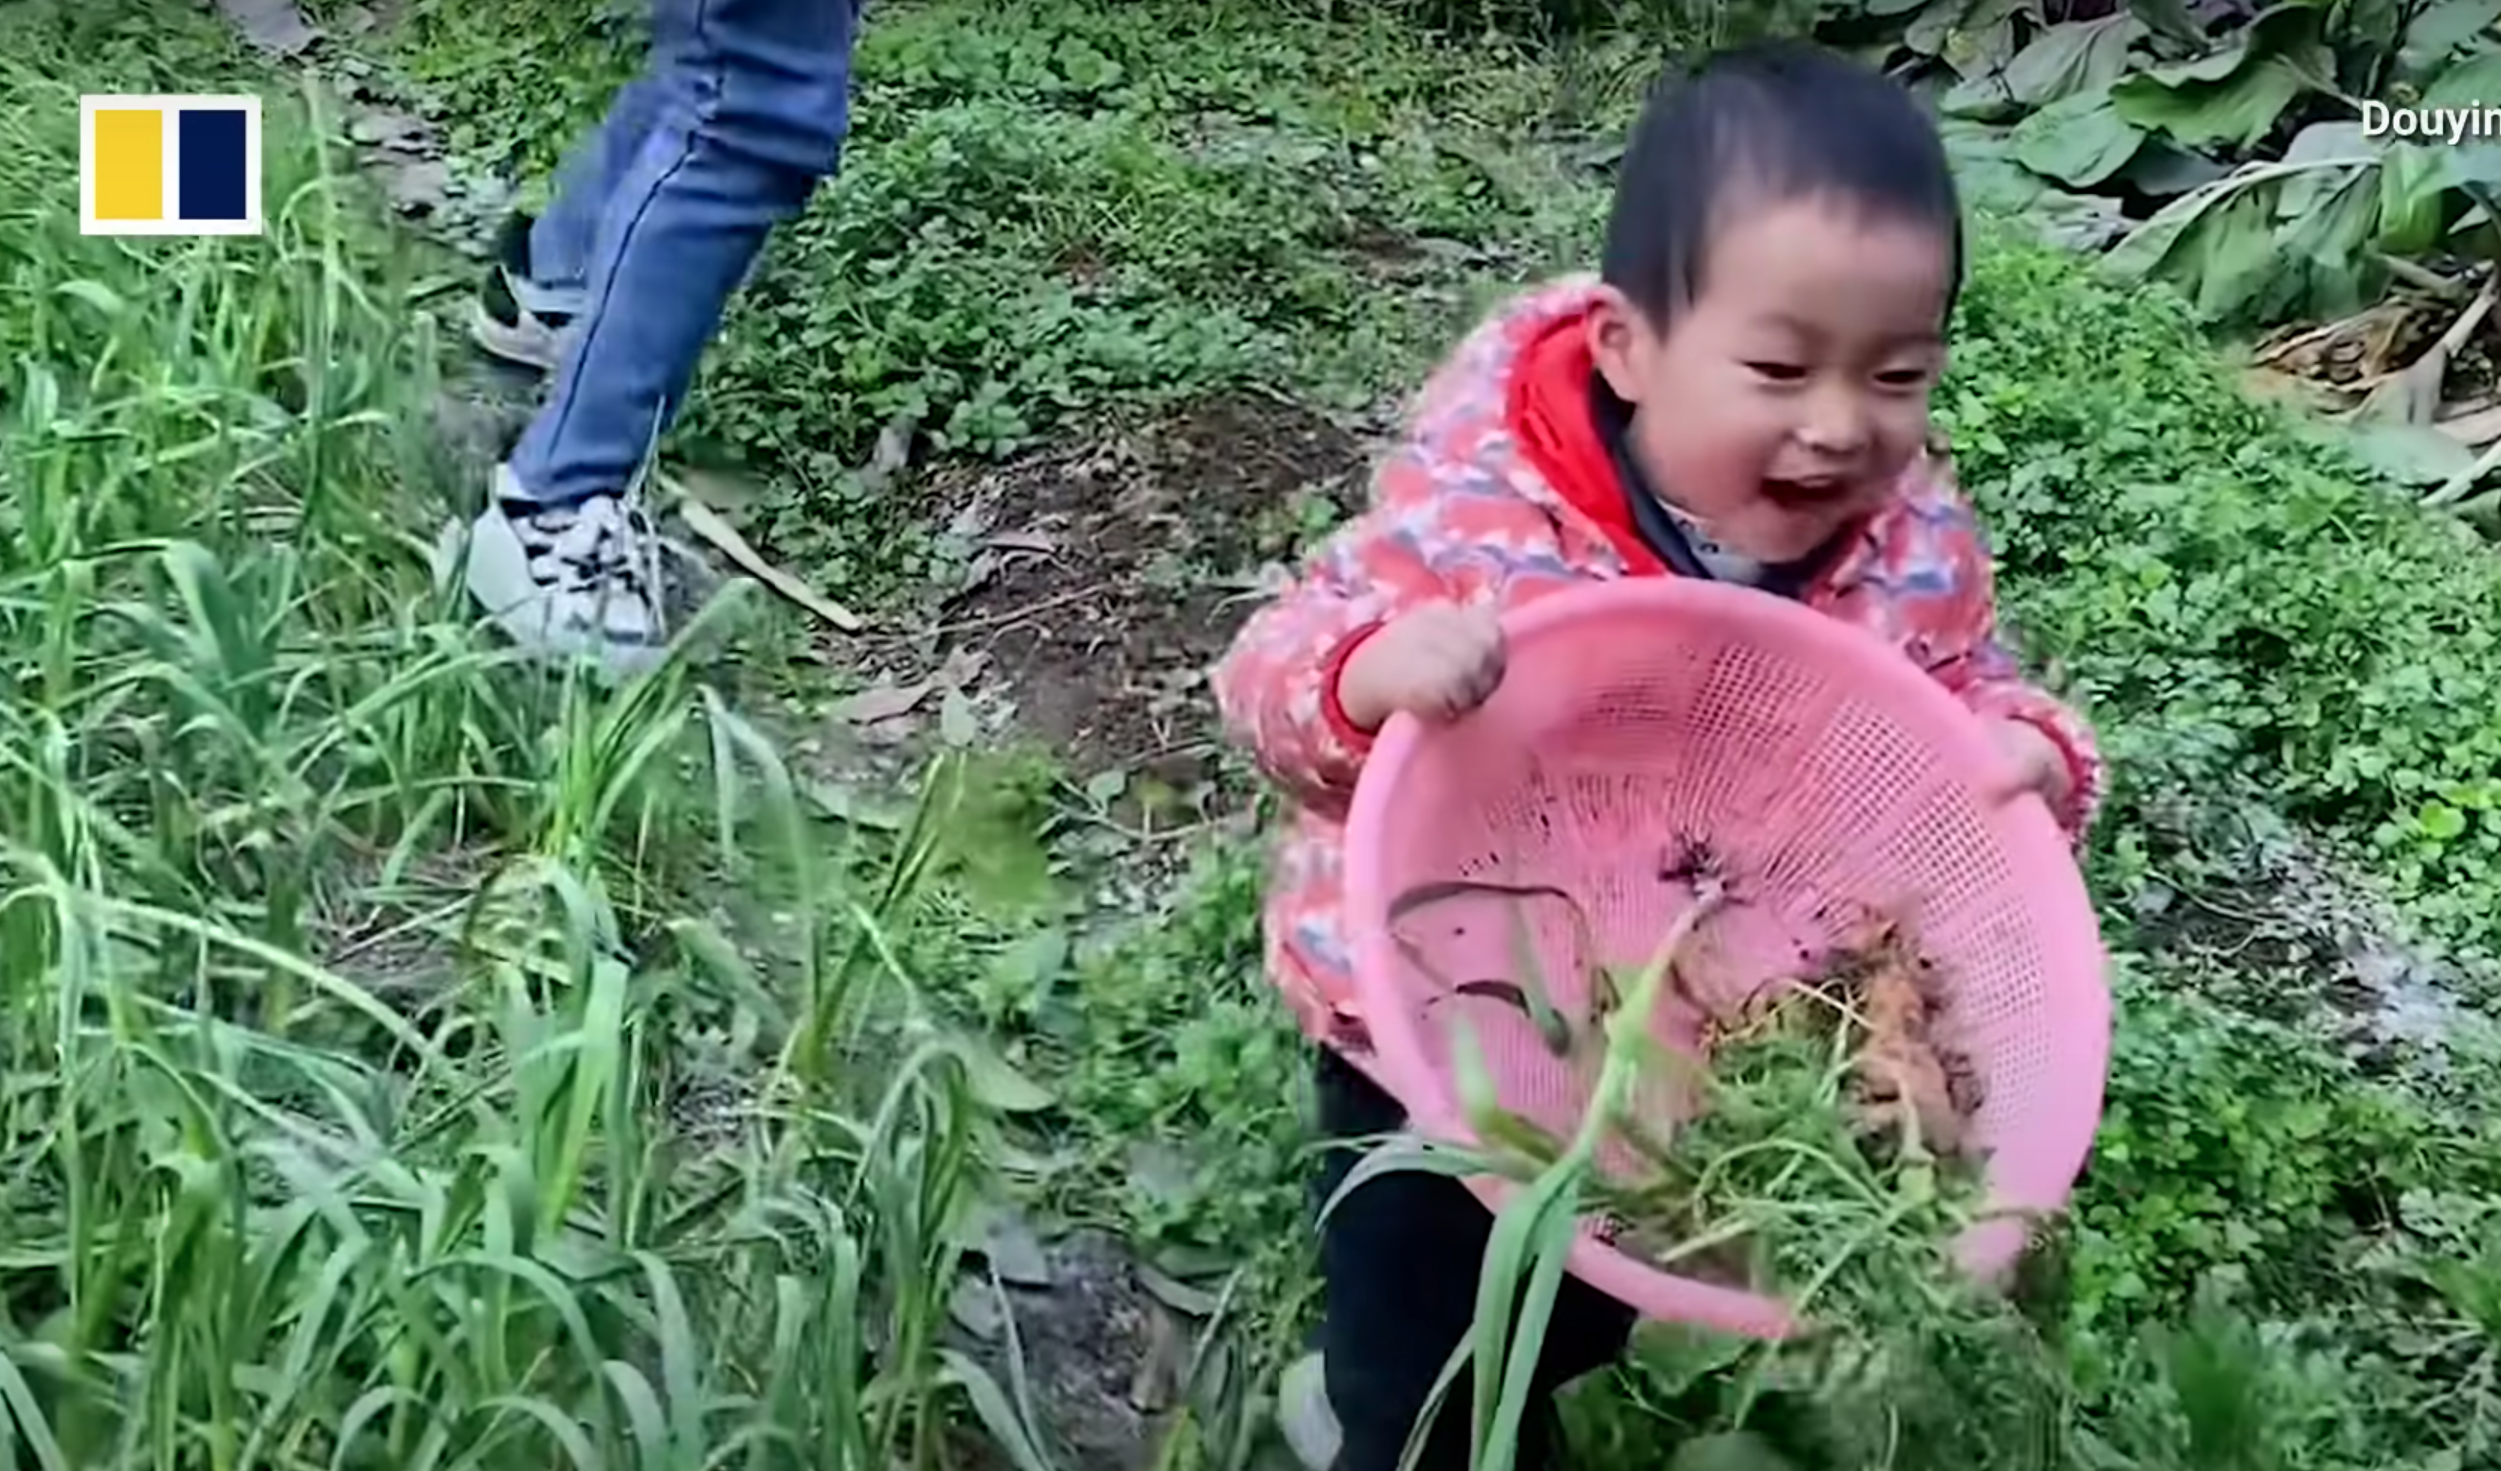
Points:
(1398, 1265)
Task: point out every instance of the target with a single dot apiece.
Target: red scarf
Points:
(1551, 416)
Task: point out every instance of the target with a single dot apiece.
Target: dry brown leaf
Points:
(2476, 426)
(892, 452)
(2457, 487)
(2413, 394)
(724, 538)
(2346, 352)
(1041, 543)
(977, 575)
(2277, 385)
(883, 702)
(721, 490)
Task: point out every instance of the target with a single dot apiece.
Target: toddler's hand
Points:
(1438, 661)
(2040, 767)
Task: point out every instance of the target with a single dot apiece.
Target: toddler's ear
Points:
(1620, 342)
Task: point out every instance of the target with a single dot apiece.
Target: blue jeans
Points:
(660, 212)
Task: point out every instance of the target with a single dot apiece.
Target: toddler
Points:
(1741, 394)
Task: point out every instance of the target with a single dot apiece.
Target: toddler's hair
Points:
(1759, 126)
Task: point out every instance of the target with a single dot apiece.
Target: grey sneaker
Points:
(1303, 1413)
(517, 319)
(572, 580)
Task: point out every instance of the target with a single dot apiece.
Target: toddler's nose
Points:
(1835, 427)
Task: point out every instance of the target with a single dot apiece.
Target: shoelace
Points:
(593, 539)
(607, 542)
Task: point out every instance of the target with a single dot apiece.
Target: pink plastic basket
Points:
(1637, 716)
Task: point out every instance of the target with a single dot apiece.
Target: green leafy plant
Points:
(2245, 131)
(1819, 1148)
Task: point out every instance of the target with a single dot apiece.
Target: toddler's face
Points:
(1790, 395)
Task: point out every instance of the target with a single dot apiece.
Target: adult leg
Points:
(751, 106)
(533, 293)
(1399, 1261)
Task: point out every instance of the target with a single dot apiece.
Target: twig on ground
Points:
(722, 537)
(2426, 279)
(1006, 618)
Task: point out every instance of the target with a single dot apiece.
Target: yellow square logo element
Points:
(169, 165)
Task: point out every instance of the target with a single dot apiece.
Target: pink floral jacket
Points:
(1500, 493)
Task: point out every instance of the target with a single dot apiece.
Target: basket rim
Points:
(2025, 831)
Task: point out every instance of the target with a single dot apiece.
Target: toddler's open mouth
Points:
(1803, 495)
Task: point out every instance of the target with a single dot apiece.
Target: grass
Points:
(364, 993)
(414, 1061)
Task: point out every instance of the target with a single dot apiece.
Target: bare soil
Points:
(1102, 1356)
(2304, 934)
(1107, 576)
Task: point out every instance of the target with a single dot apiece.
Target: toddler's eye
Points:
(1903, 378)
(1779, 372)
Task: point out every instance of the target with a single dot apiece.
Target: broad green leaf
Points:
(2171, 19)
(2086, 223)
(2474, 82)
(2079, 141)
(2238, 110)
(2078, 56)
(2439, 29)
(1984, 41)
(2412, 181)
(2146, 252)
(1980, 98)
(2336, 142)
(2471, 164)
(1014, 1249)
(2235, 94)
(1900, 7)
(2370, 28)
(2440, 821)
(2163, 169)
(1984, 169)
(2472, 167)
(2233, 256)
(2214, 66)
(2338, 148)
(2328, 248)
(1927, 30)
(1677, 1356)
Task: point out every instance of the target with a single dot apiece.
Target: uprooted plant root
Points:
(1908, 1087)
(1826, 1110)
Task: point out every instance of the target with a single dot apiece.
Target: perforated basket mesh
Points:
(1818, 767)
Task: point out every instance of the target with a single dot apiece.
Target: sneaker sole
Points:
(526, 344)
